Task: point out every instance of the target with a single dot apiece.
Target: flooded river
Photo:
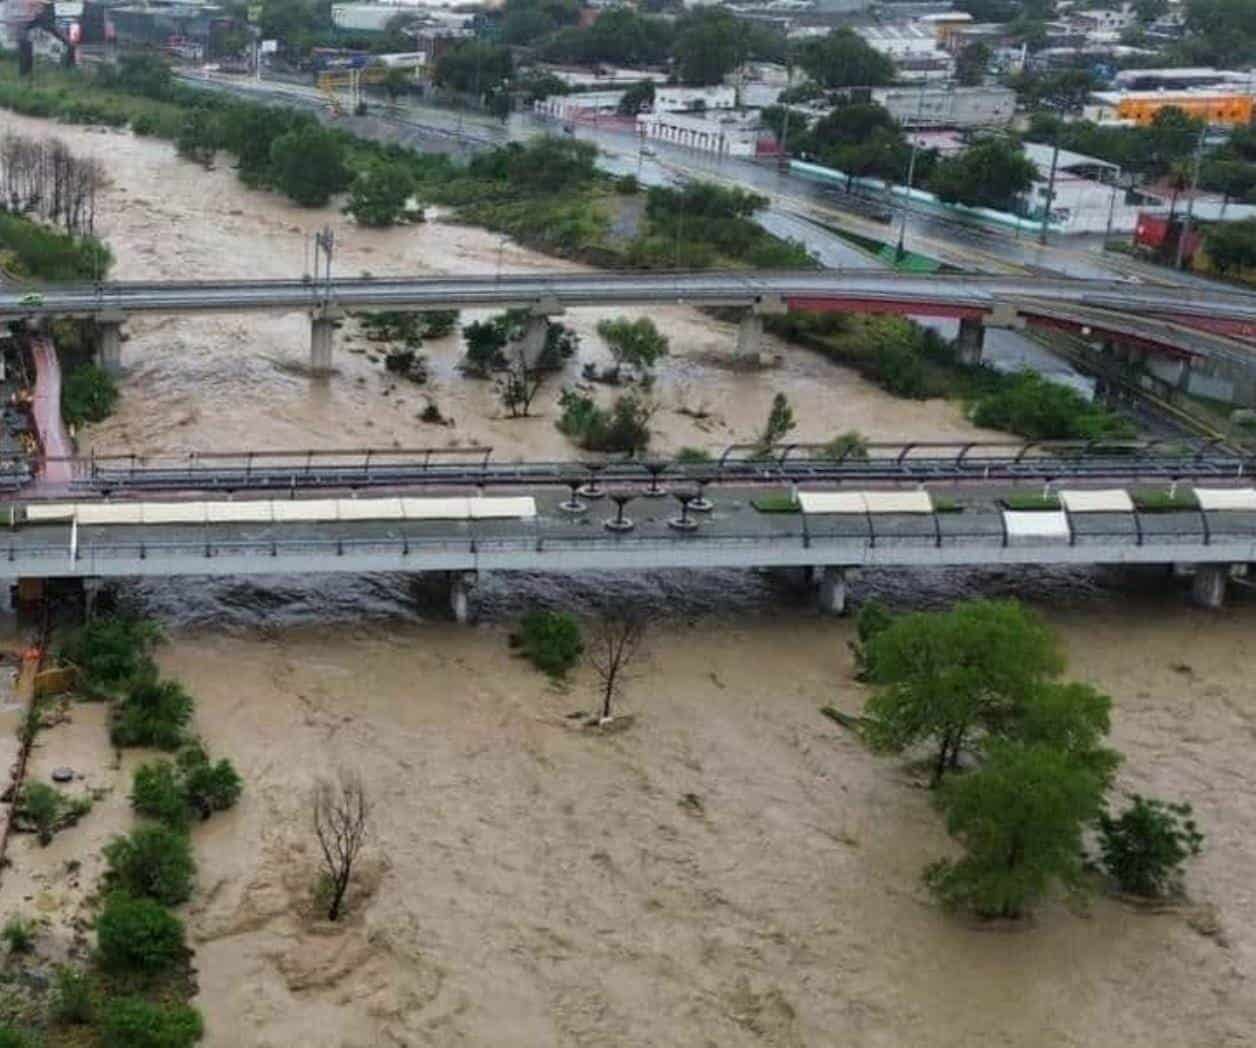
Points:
(732, 868)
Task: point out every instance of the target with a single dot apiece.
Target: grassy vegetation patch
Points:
(776, 502)
(1030, 503)
(1158, 500)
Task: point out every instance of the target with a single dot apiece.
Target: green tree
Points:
(138, 935)
(486, 342)
(944, 677)
(153, 713)
(42, 805)
(637, 99)
(153, 862)
(132, 1022)
(208, 786)
(474, 67)
(991, 173)
(157, 791)
(971, 64)
(88, 395)
(844, 59)
(198, 138)
(1020, 817)
(396, 81)
(1145, 848)
(551, 640)
(308, 165)
(379, 194)
(780, 421)
(1220, 32)
(1231, 246)
(111, 654)
(1071, 717)
(635, 343)
(710, 42)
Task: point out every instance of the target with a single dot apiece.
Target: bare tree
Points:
(518, 388)
(615, 642)
(341, 812)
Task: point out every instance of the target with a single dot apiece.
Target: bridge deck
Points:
(734, 534)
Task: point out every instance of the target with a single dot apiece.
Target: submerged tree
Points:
(615, 642)
(945, 676)
(341, 814)
(1020, 817)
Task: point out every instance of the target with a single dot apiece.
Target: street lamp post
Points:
(1190, 203)
(911, 172)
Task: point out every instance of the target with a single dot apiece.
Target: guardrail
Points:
(886, 462)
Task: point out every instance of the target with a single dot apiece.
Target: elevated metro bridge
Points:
(1191, 322)
(595, 529)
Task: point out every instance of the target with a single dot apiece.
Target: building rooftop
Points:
(1041, 155)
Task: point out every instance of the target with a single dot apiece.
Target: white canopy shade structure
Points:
(283, 511)
(1108, 500)
(1035, 527)
(832, 502)
(1226, 498)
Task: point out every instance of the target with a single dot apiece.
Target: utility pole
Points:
(911, 172)
(1190, 203)
(1046, 208)
(325, 242)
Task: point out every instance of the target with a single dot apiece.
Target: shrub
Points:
(874, 618)
(847, 446)
(111, 654)
(36, 251)
(89, 395)
(138, 935)
(627, 185)
(208, 787)
(72, 1003)
(12, 1037)
(551, 639)
(154, 713)
(41, 804)
(1145, 848)
(158, 792)
(379, 194)
(1037, 408)
(693, 456)
(437, 323)
(625, 427)
(18, 934)
(153, 862)
(131, 1022)
(145, 125)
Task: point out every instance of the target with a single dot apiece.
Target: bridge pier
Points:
(109, 343)
(532, 343)
(749, 337)
(461, 591)
(832, 590)
(971, 339)
(322, 341)
(1208, 585)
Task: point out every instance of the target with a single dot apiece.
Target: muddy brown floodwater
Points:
(732, 869)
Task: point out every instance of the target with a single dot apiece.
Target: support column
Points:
(109, 343)
(322, 339)
(461, 590)
(749, 337)
(832, 593)
(1208, 586)
(532, 342)
(972, 336)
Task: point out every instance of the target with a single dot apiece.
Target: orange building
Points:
(1140, 107)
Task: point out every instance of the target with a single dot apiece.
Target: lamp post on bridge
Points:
(324, 241)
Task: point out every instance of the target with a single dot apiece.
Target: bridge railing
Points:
(891, 461)
(843, 541)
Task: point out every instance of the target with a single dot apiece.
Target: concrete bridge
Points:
(825, 534)
(1188, 322)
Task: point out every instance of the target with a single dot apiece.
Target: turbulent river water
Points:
(731, 868)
